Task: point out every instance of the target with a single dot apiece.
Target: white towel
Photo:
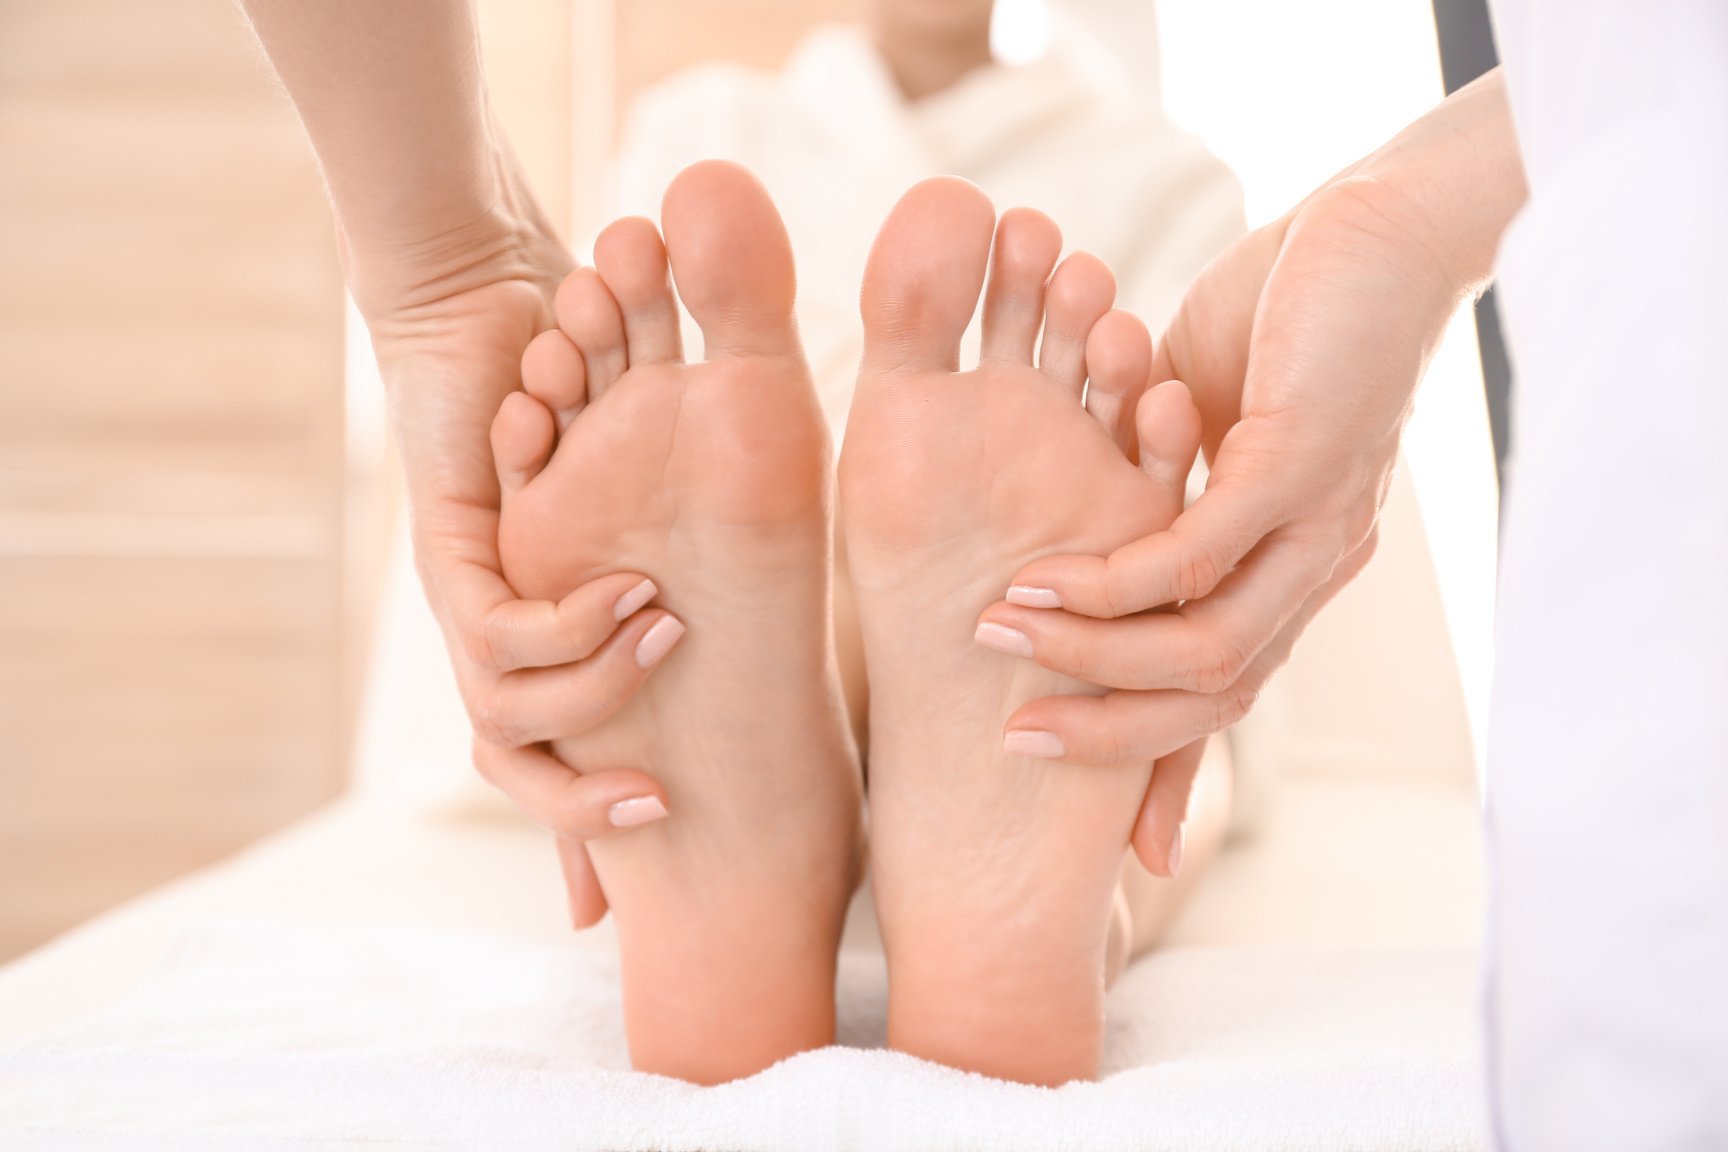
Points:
(269, 1035)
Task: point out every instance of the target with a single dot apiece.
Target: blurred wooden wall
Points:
(171, 591)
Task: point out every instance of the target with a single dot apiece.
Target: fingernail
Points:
(1038, 745)
(658, 641)
(1003, 639)
(636, 810)
(1173, 858)
(638, 595)
(1027, 596)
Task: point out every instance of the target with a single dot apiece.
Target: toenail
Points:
(1173, 857)
(1027, 596)
(658, 641)
(1003, 639)
(638, 595)
(636, 810)
(1038, 745)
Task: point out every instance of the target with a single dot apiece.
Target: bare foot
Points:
(996, 873)
(711, 478)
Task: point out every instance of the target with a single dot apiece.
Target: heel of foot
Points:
(1029, 1033)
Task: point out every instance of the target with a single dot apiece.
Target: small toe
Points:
(732, 260)
(554, 374)
(522, 438)
(632, 261)
(589, 316)
(922, 281)
(1027, 244)
(1169, 432)
(1118, 369)
(1080, 292)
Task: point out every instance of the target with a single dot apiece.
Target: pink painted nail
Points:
(638, 595)
(658, 641)
(1031, 742)
(1173, 857)
(636, 810)
(1003, 639)
(1027, 596)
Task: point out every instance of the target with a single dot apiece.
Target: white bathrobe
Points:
(837, 144)
(1608, 762)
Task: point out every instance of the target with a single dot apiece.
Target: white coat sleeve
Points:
(1608, 754)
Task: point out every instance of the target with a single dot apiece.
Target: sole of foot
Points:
(712, 478)
(996, 872)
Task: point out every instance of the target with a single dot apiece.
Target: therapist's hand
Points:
(454, 266)
(1303, 345)
(449, 324)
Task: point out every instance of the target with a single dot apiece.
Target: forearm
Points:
(394, 99)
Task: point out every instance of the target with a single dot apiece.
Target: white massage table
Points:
(1319, 991)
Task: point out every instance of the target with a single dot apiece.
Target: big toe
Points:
(731, 260)
(925, 271)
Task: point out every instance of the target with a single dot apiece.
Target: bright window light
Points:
(1019, 31)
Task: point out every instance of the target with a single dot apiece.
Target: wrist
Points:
(1452, 181)
(496, 235)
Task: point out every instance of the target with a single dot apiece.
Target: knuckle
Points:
(492, 721)
(1219, 668)
(1119, 585)
(1112, 746)
(1078, 660)
(1115, 735)
(479, 646)
(620, 679)
(1232, 704)
(1198, 572)
(601, 696)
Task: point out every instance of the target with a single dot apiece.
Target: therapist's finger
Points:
(1157, 837)
(1121, 727)
(541, 633)
(1158, 831)
(535, 704)
(1185, 562)
(1202, 647)
(586, 899)
(572, 805)
(1127, 727)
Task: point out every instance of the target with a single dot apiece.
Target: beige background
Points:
(172, 677)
